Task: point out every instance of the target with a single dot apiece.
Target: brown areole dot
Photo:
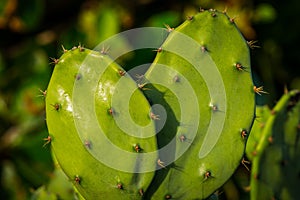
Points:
(122, 72)
(77, 179)
(239, 67)
(55, 61)
(120, 186)
(190, 18)
(47, 140)
(244, 133)
(56, 106)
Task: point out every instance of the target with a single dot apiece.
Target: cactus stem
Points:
(245, 162)
(254, 153)
(259, 90)
(47, 140)
(169, 28)
(55, 61)
(56, 106)
(273, 112)
(77, 179)
(161, 163)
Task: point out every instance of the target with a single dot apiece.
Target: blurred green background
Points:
(32, 31)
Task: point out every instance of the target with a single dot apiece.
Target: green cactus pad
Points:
(102, 129)
(84, 106)
(276, 166)
(202, 77)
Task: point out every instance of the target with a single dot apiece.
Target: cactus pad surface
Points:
(202, 77)
(81, 121)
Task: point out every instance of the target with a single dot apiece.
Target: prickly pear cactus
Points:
(92, 149)
(111, 144)
(276, 165)
(262, 114)
(202, 77)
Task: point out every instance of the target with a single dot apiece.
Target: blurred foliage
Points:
(32, 31)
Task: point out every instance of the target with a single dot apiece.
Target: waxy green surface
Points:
(219, 107)
(73, 100)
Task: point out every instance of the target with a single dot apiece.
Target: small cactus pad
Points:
(202, 77)
(276, 164)
(86, 103)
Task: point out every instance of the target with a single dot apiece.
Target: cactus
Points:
(208, 99)
(58, 187)
(262, 114)
(275, 167)
(78, 144)
(203, 68)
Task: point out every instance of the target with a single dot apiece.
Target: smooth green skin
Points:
(185, 178)
(262, 114)
(276, 165)
(59, 187)
(97, 181)
(42, 194)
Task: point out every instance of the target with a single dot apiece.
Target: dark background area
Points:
(33, 31)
